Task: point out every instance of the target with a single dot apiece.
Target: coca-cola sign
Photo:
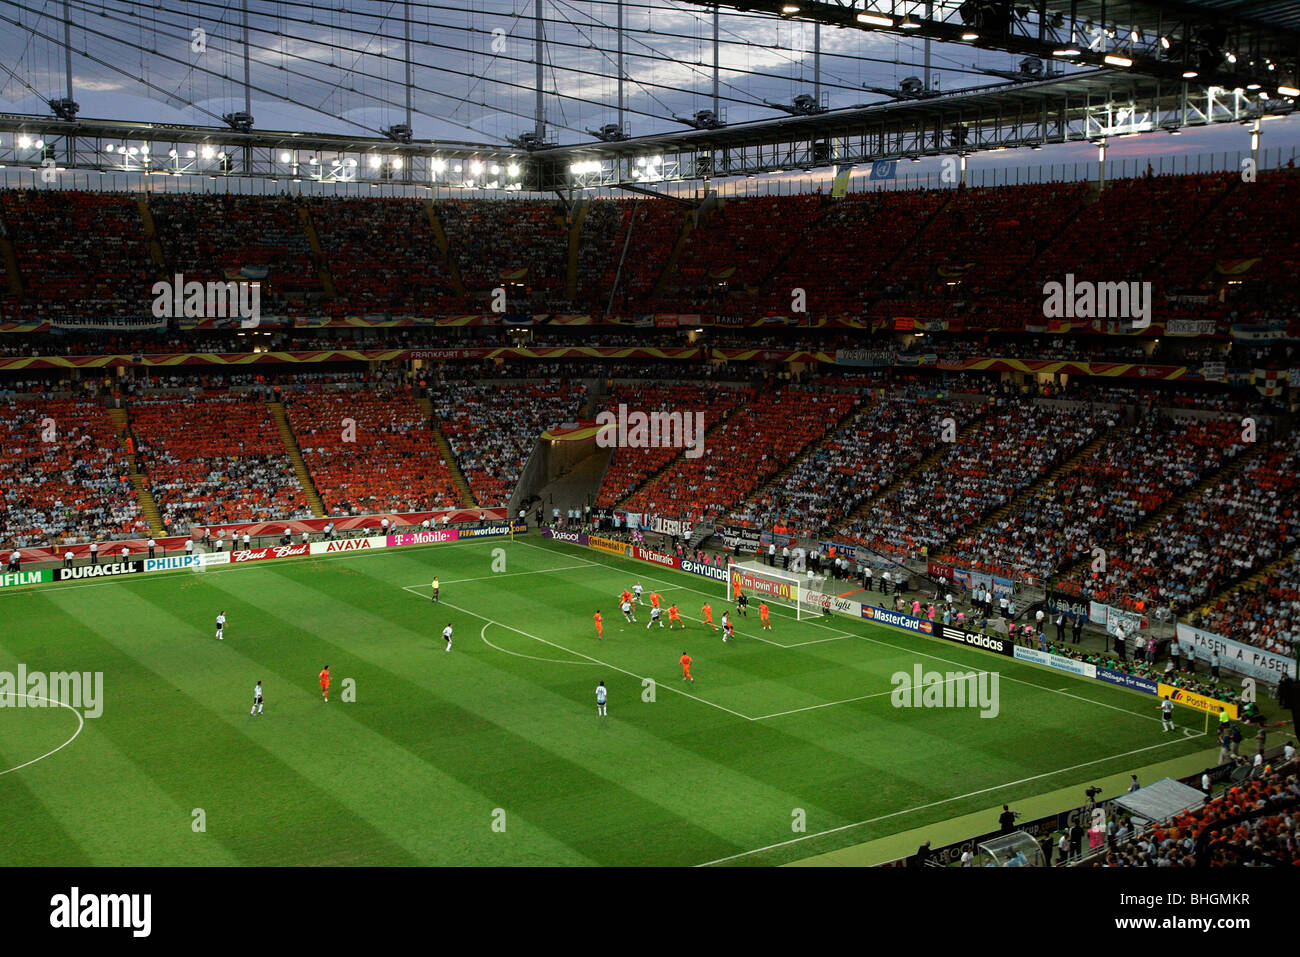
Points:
(274, 551)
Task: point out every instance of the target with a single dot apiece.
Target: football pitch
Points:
(493, 754)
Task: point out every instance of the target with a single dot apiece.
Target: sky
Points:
(338, 67)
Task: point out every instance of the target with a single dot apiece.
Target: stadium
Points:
(609, 433)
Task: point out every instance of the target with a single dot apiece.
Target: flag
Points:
(883, 169)
(840, 185)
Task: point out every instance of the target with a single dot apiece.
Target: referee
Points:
(435, 589)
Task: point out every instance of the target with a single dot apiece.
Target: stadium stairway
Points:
(872, 291)
(579, 214)
(1027, 495)
(1254, 578)
(463, 493)
(1180, 240)
(914, 471)
(12, 275)
(678, 458)
(1172, 506)
(670, 266)
(317, 255)
(806, 451)
(148, 505)
(295, 459)
(444, 248)
(151, 234)
(765, 283)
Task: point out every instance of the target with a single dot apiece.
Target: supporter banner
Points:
(349, 545)
(272, 551)
(1241, 658)
(1058, 662)
(671, 526)
(165, 564)
(733, 535)
(608, 545)
(883, 616)
(780, 541)
(994, 643)
(1272, 333)
(961, 576)
(97, 571)
(13, 579)
(742, 579)
(1214, 372)
(981, 580)
(1003, 586)
(1199, 702)
(704, 569)
(1061, 603)
(659, 558)
(1132, 682)
(431, 537)
(863, 357)
(575, 538)
(1190, 327)
(1097, 612)
(939, 571)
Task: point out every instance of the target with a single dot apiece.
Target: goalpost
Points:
(776, 587)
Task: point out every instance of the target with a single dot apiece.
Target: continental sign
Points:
(608, 545)
(1199, 702)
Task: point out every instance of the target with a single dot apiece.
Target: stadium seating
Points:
(214, 460)
(1265, 613)
(496, 241)
(73, 488)
(387, 462)
(493, 427)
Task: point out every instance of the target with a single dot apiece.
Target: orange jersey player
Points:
(686, 668)
(600, 627)
(654, 599)
(325, 682)
(707, 612)
(624, 597)
(674, 616)
(764, 615)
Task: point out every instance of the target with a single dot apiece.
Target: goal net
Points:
(776, 587)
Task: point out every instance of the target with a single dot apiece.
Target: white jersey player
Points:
(257, 700)
(636, 591)
(654, 617)
(446, 633)
(626, 608)
(601, 694)
(726, 625)
(221, 626)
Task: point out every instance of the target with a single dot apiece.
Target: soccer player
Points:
(729, 631)
(626, 608)
(435, 589)
(600, 700)
(686, 668)
(742, 604)
(654, 617)
(637, 589)
(726, 626)
(675, 616)
(654, 599)
(446, 633)
(325, 683)
(600, 626)
(257, 700)
(707, 612)
(1167, 714)
(221, 625)
(764, 615)
(624, 597)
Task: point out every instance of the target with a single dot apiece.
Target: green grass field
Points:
(494, 753)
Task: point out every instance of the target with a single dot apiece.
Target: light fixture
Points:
(909, 24)
(285, 157)
(1066, 51)
(1290, 91)
(25, 142)
(970, 35)
(1190, 74)
(439, 164)
(397, 162)
(1176, 132)
(109, 147)
(1164, 42)
(512, 170)
(207, 152)
(789, 8)
(476, 167)
(876, 19)
(172, 153)
(1113, 59)
(189, 154)
(373, 161)
(1252, 86)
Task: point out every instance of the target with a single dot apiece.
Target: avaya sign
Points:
(275, 551)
